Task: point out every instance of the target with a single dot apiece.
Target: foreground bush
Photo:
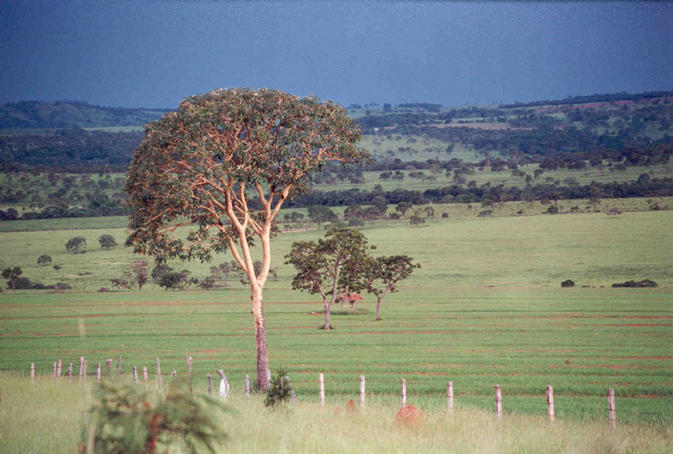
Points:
(127, 419)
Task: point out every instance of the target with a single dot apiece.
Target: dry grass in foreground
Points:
(48, 416)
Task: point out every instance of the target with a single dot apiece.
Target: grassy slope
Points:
(462, 251)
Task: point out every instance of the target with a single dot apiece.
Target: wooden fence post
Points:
(32, 371)
(210, 383)
(612, 410)
(70, 371)
(59, 367)
(268, 379)
(145, 375)
(498, 401)
(135, 373)
(53, 372)
(188, 358)
(119, 365)
(362, 391)
(98, 372)
(247, 386)
(550, 403)
(404, 392)
(449, 395)
(321, 389)
(108, 367)
(81, 367)
(174, 375)
(159, 379)
(293, 396)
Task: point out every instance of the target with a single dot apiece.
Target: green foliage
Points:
(125, 419)
(12, 274)
(214, 146)
(321, 214)
(281, 389)
(44, 260)
(76, 245)
(107, 241)
(164, 276)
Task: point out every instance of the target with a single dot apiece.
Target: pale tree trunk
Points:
(378, 307)
(260, 337)
(328, 309)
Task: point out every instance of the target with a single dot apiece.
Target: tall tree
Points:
(223, 164)
(380, 275)
(328, 266)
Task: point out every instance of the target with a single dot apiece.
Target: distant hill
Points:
(67, 114)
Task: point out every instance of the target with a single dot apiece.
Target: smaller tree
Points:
(12, 274)
(139, 269)
(381, 275)
(107, 241)
(44, 260)
(76, 245)
(320, 214)
(327, 267)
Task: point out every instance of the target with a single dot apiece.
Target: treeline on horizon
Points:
(645, 186)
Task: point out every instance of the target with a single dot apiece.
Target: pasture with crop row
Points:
(485, 308)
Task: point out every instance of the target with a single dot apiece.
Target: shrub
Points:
(281, 389)
(553, 209)
(76, 245)
(567, 283)
(23, 283)
(356, 222)
(128, 419)
(107, 241)
(634, 284)
(44, 260)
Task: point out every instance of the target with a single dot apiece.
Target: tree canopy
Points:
(222, 165)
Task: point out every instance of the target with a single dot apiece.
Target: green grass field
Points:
(486, 308)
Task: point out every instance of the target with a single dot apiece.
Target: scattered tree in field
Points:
(44, 260)
(195, 165)
(403, 207)
(381, 204)
(139, 270)
(320, 214)
(12, 274)
(107, 241)
(164, 276)
(76, 245)
(381, 275)
(326, 267)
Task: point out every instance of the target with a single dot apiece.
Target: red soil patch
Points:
(350, 406)
(637, 325)
(656, 358)
(409, 416)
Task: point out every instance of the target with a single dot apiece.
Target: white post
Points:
(498, 401)
(321, 389)
(404, 392)
(612, 410)
(362, 391)
(32, 371)
(98, 372)
(145, 375)
(247, 386)
(160, 381)
(135, 373)
(449, 395)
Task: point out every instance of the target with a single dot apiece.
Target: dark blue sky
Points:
(153, 54)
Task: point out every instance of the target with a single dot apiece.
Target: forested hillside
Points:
(600, 146)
